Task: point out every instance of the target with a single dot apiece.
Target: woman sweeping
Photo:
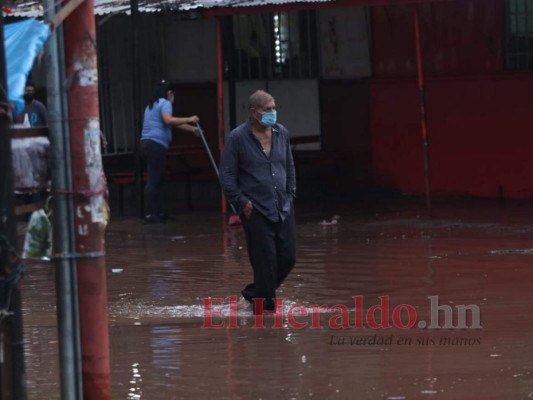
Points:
(155, 138)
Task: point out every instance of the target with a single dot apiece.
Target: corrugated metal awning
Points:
(34, 8)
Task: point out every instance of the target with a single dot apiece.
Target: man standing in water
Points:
(257, 174)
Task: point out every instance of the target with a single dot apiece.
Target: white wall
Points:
(345, 43)
(297, 104)
(185, 51)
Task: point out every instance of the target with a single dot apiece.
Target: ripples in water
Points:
(159, 275)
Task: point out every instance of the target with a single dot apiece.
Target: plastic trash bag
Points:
(31, 163)
(38, 239)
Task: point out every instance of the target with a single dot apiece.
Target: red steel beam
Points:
(220, 95)
(423, 114)
(224, 11)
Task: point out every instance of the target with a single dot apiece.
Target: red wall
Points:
(457, 38)
(480, 135)
(480, 117)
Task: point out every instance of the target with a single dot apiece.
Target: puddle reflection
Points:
(158, 277)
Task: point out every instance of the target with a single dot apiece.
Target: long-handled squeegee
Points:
(234, 219)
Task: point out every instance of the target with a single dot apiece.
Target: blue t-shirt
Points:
(154, 128)
(36, 114)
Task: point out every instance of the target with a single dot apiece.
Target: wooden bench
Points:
(177, 167)
(23, 209)
(297, 140)
(320, 164)
(313, 157)
(122, 179)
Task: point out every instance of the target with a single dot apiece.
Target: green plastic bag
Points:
(38, 239)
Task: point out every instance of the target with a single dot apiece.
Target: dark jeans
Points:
(272, 252)
(154, 156)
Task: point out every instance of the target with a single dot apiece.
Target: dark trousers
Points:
(272, 252)
(154, 156)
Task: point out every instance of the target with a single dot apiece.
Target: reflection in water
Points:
(159, 275)
(135, 391)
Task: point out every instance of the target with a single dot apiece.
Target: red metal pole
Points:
(220, 95)
(423, 115)
(90, 205)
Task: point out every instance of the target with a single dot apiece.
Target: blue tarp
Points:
(23, 41)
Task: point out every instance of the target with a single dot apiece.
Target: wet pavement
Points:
(473, 253)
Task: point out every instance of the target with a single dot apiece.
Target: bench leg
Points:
(121, 199)
(188, 191)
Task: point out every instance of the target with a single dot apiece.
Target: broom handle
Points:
(201, 131)
(213, 163)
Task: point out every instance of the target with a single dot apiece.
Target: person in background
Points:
(257, 173)
(36, 111)
(156, 136)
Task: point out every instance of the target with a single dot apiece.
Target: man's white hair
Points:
(259, 98)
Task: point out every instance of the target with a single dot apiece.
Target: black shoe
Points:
(153, 219)
(166, 217)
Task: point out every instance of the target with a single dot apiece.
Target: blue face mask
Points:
(268, 118)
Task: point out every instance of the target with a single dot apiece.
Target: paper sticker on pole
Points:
(94, 170)
(85, 63)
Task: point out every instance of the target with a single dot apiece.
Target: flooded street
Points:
(470, 253)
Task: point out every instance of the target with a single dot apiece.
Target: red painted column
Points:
(220, 94)
(423, 115)
(90, 206)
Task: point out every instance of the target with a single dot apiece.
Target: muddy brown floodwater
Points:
(477, 254)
